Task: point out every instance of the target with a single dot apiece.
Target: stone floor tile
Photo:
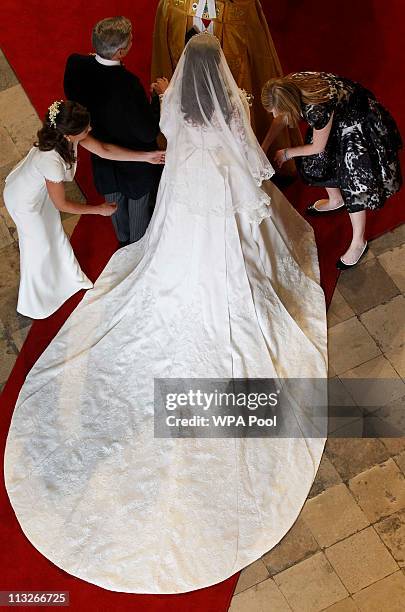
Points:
(14, 104)
(342, 409)
(367, 257)
(383, 384)
(346, 605)
(387, 595)
(379, 491)
(65, 215)
(400, 461)
(394, 446)
(393, 417)
(331, 371)
(23, 132)
(326, 477)
(9, 267)
(263, 597)
(70, 224)
(388, 241)
(4, 171)
(11, 319)
(7, 221)
(351, 456)
(7, 75)
(386, 323)
(350, 345)
(360, 560)
(252, 574)
(333, 515)
(367, 286)
(339, 310)
(338, 395)
(394, 413)
(74, 193)
(354, 428)
(8, 151)
(311, 585)
(298, 544)
(392, 532)
(8, 354)
(19, 336)
(6, 237)
(393, 264)
(397, 358)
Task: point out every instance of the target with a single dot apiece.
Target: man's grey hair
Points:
(111, 34)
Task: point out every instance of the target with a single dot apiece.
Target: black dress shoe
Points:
(341, 265)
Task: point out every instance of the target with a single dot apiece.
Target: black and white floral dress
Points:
(361, 155)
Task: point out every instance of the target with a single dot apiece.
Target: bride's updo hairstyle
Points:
(202, 85)
(70, 119)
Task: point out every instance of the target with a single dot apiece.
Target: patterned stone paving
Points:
(346, 552)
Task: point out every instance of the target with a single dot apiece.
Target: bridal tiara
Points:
(205, 34)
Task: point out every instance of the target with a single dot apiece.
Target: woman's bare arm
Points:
(56, 192)
(277, 126)
(320, 139)
(114, 152)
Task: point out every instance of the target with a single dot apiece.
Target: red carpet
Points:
(358, 40)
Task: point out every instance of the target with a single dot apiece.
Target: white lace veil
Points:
(205, 113)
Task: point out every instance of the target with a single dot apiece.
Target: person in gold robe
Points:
(241, 27)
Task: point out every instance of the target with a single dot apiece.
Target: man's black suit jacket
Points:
(120, 114)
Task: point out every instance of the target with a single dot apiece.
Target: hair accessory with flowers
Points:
(53, 112)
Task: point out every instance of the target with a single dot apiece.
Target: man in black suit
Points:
(120, 114)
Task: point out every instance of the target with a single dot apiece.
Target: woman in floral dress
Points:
(351, 147)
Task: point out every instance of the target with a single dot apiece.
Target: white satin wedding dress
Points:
(208, 292)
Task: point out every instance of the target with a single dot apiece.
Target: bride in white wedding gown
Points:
(225, 283)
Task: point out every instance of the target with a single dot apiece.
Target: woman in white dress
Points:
(225, 283)
(34, 195)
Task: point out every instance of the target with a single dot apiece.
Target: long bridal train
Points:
(93, 490)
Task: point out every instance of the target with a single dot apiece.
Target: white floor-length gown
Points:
(49, 271)
(206, 293)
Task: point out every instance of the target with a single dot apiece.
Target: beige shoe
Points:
(316, 207)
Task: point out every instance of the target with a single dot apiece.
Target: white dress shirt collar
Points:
(107, 62)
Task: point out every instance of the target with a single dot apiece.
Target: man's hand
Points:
(160, 85)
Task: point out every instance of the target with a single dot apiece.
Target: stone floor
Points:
(346, 551)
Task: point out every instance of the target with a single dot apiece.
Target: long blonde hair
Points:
(287, 94)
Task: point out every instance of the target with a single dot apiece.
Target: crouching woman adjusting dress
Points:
(351, 146)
